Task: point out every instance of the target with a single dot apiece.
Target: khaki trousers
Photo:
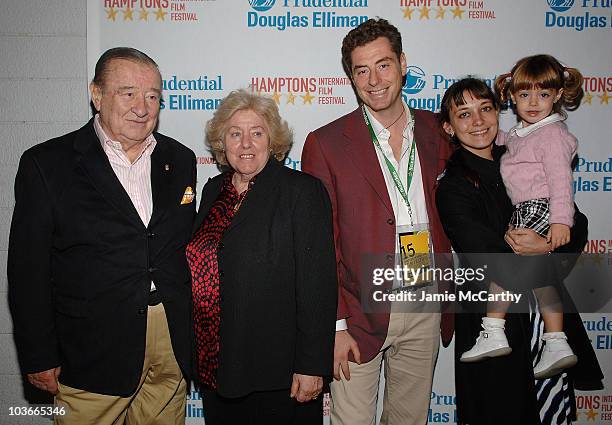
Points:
(158, 400)
(410, 351)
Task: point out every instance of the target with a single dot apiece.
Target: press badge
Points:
(416, 257)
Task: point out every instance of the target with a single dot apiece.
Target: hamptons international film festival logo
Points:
(291, 91)
(151, 11)
(295, 14)
(594, 408)
(425, 91)
(597, 90)
(598, 246)
(302, 92)
(579, 15)
(447, 10)
(597, 254)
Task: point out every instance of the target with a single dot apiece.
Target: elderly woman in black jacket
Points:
(474, 209)
(263, 273)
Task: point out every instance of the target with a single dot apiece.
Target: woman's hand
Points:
(527, 242)
(306, 387)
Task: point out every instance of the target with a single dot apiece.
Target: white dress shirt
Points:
(416, 193)
(135, 177)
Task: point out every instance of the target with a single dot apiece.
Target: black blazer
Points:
(81, 261)
(278, 282)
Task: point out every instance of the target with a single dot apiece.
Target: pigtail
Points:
(572, 89)
(502, 85)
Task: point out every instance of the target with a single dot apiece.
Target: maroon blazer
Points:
(342, 155)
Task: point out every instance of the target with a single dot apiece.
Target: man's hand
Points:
(344, 343)
(558, 235)
(526, 242)
(306, 387)
(45, 380)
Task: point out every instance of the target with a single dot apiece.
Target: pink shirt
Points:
(135, 177)
(538, 165)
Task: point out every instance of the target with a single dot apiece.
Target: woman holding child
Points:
(475, 211)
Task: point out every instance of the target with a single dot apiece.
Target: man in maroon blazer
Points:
(379, 164)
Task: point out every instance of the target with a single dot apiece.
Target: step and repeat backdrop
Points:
(290, 50)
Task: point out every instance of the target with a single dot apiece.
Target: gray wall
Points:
(43, 94)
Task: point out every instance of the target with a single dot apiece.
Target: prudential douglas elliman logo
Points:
(261, 5)
(560, 5)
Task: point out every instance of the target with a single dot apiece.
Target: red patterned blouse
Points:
(202, 259)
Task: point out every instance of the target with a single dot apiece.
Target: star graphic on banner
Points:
(457, 12)
(604, 98)
(307, 98)
(111, 14)
(440, 13)
(128, 14)
(591, 415)
(144, 15)
(291, 98)
(408, 13)
(588, 97)
(424, 12)
(276, 98)
(160, 14)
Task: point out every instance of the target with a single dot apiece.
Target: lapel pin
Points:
(167, 167)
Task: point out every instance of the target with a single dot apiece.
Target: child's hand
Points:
(558, 234)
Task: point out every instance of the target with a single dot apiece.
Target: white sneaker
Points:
(491, 342)
(556, 356)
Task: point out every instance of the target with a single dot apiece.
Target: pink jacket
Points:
(538, 165)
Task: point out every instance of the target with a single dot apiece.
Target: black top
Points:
(278, 284)
(472, 195)
(476, 211)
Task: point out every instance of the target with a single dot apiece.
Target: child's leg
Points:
(497, 309)
(492, 341)
(551, 308)
(557, 355)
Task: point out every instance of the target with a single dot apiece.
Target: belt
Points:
(154, 298)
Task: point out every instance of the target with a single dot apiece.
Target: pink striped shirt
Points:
(135, 177)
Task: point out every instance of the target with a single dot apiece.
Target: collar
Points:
(380, 129)
(526, 131)
(228, 186)
(148, 146)
(487, 169)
